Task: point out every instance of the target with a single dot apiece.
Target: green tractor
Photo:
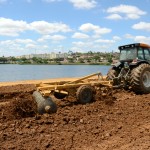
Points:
(133, 69)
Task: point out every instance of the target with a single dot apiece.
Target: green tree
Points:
(3, 59)
(81, 60)
(96, 58)
(35, 59)
(70, 60)
(23, 59)
(109, 58)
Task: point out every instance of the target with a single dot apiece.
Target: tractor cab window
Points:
(147, 54)
(128, 54)
(140, 53)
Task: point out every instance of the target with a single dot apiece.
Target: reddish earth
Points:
(121, 122)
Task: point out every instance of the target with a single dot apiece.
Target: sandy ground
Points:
(121, 122)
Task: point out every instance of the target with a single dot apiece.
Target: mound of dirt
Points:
(120, 122)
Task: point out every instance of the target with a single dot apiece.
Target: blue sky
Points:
(45, 26)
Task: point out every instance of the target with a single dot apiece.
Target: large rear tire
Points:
(140, 79)
(112, 73)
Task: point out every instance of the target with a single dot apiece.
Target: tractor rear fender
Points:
(139, 62)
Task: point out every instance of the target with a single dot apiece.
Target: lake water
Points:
(32, 72)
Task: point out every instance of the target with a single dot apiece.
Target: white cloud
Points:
(57, 37)
(16, 42)
(54, 38)
(9, 27)
(83, 4)
(139, 38)
(44, 27)
(114, 17)
(80, 4)
(103, 45)
(142, 26)
(88, 27)
(30, 46)
(96, 29)
(105, 41)
(6, 43)
(142, 39)
(133, 16)
(78, 35)
(11, 48)
(19, 47)
(116, 38)
(81, 44)
(125, 11)
(128, 36)
(24, 41)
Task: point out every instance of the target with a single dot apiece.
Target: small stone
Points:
(103, 137)
(81, 120)
(49, 122)
(119, 126)
(107, 134)
(12, 147)
(37, 117)
(27, 125)
(47, 145)
(142, 130)
(19, 132)
(41, 131)
(52, 129)
(13, 125)
(33, 131)
(107, 117)
(118, 112)
(55, 125)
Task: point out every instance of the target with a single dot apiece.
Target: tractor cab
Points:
(135, 52)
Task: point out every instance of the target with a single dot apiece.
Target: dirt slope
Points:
(118, 123)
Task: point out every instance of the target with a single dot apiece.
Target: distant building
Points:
(43, 56)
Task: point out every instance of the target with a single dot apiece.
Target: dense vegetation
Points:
(73, 58)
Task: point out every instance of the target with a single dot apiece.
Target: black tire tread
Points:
(136, 84)
(112, 73)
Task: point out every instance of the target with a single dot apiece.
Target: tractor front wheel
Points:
(140, 79)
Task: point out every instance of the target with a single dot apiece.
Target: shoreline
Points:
(101, 64)
(7, 83)
(51, 80)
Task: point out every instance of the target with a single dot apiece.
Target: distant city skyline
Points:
(43, 26)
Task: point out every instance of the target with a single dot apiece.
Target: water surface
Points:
(13, 72)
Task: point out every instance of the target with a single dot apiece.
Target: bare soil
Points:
(121, 122)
